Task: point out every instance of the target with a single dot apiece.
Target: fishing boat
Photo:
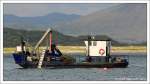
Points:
(97, 55)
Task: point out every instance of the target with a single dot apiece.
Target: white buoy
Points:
(41, 59)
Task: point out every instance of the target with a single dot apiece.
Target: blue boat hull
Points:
(20, 59)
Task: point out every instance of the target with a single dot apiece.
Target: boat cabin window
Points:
(90, 43)
(94, 43)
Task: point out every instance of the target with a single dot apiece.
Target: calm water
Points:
(136, 70)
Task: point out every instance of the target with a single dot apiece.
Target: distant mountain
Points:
(124, 23)
(38, 22)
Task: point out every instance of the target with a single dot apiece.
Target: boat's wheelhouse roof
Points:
(97, 40)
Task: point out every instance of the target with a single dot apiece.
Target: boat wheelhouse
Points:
(98, 47)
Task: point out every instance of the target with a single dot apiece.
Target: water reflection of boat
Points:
(97, 55)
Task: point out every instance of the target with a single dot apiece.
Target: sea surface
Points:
(137, 70)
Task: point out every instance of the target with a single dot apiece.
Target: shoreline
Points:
(82, 50)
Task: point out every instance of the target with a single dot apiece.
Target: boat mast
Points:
(50, 42)
(88, 45)
(22, 44)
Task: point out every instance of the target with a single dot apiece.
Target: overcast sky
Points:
(31, 10)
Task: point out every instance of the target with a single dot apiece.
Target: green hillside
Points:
(11, 38)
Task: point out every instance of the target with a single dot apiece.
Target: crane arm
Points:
(41, 40)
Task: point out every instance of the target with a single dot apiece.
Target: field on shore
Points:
(81, 49)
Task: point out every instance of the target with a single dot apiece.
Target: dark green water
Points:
(137, 70)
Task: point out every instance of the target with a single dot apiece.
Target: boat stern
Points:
(19, 58)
